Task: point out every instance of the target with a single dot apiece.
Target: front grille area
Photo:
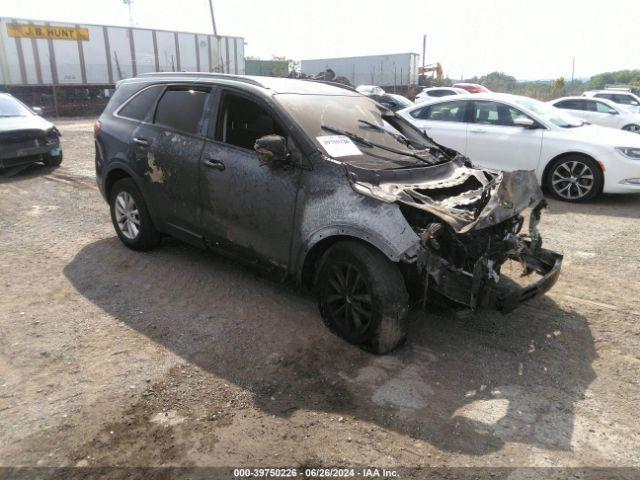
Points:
(23, 138)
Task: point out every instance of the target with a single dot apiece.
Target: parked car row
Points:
(575, 160)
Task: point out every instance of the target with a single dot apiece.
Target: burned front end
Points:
(478, 242)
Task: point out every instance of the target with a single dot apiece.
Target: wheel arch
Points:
(118, 171)
(112, 176)
(547, 167)
(313, 250)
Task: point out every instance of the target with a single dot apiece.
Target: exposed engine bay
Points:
(470, 223)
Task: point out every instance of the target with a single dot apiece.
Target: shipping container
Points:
(387, 71)
(40, 53)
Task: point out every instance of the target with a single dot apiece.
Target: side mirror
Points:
(272, 150)
(634, 103)
(37, 110)
(524, 122)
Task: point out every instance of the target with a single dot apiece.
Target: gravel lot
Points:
(179, 357)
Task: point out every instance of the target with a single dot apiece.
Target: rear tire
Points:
(574, 178)
(362, 297)
(130, 216)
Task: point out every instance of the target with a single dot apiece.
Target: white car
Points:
(623, 97)
(437, 92)
(574, 160)
(600, 112)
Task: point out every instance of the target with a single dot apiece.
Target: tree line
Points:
(549, 89)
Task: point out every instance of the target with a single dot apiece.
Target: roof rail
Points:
(220, 76)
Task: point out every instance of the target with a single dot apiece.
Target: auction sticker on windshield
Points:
(338, 145)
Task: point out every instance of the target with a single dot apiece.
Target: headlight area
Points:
(467, 269)
(629, 152)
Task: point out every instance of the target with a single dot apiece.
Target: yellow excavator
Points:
(433, 70)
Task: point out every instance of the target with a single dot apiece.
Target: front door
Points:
(245, 204)
(495, 142)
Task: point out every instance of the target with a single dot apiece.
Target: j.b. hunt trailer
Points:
(58, 64)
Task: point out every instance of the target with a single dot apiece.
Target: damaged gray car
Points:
(321, 184)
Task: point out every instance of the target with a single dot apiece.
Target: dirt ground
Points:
(179, 357)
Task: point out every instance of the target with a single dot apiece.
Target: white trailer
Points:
(39, 53)
(400, 69)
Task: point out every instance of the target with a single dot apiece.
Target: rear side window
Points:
(442, 112)
(571, 104)
(141, 103)
(441, 93)
(181, 108)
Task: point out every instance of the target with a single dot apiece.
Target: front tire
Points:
(633, 128)
(130, 216)
(51, 161)
(362, 297)
(574, 178)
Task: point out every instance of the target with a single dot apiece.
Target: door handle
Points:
(478, 131)
(143, 142)
(215, 164)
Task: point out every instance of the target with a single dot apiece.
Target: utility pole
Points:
(213, 18)
(573, 70)
(128, 4)
(424, 50)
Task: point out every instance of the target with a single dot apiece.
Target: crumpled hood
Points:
(465, 197)
(30, 122)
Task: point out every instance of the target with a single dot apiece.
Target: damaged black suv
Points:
(321, 184)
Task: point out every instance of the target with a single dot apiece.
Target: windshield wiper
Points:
(370, 144)
(398, 136)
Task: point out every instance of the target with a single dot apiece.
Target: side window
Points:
(495, 113)
(608, 96)
(571, 104)
(181, 108)
(418, 112)
(603, 108)
(141, 103)
(445, 112)
(242, 122)
(624, 99)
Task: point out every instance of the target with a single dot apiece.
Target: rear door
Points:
(445, 122)
(494, 141)
(245, 205)
(575, 107)
(168, 150)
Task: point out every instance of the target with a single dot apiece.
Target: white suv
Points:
(600, 111)
(624, 97)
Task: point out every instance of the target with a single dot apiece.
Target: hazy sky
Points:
(527, 39)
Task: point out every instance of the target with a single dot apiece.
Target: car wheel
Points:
(51, 161)
(362, 297)
(632, 128)
(574, 178)
(130, 216)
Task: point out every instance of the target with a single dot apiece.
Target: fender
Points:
(369, 236)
